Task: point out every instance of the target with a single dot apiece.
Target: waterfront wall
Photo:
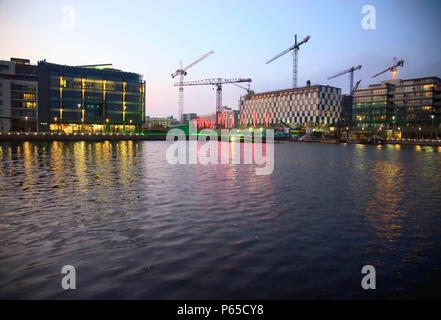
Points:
(21, 136)
(79, 137)
(420, 142)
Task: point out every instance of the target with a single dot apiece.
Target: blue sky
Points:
(151, 37)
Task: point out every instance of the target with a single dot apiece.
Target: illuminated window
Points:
(429, 86)
(28, 96)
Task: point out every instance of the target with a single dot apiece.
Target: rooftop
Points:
(90, 70)
(293, 89)
(400, 82)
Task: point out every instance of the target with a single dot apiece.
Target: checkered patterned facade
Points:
(314, 104)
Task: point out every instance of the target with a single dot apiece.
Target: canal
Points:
(135, 226)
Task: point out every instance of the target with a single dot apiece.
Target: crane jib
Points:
(295, 46)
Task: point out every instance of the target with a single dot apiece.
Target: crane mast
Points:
(182, 72)
(181, 94)
(295, 56)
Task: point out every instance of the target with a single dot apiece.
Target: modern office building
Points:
(89, 99)
(314, 104)
(372, 106)
(417, 103)
(405, 104)
(18, 95)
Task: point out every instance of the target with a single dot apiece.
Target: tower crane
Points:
(351, 77)
(218, 82)
(295, 49)
(248, 90)
(357, 84)
(181, 72)
(393, 69)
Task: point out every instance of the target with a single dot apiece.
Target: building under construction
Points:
(314, 104)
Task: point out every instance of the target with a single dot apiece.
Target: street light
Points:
(107, 125)
(55, 120)
(131, 126)
(26, 118)
(433, 117)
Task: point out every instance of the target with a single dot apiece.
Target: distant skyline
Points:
(152, 37)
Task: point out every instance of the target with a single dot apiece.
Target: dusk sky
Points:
(151, 37)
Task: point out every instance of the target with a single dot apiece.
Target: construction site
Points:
(392, 109)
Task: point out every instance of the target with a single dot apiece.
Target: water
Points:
(136, 227)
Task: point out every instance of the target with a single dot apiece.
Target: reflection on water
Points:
(136, 227)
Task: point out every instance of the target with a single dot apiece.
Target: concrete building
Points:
(89, 99)
(229, 119)
(159, 123)
(346, 110)
(18, 95)
(405, 104)
(186, 117)
(314, 104)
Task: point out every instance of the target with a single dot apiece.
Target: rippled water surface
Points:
(136, 227)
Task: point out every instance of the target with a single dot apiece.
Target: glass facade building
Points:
(372, 106)
(89, 99)
(404, 104)
(417, 103)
